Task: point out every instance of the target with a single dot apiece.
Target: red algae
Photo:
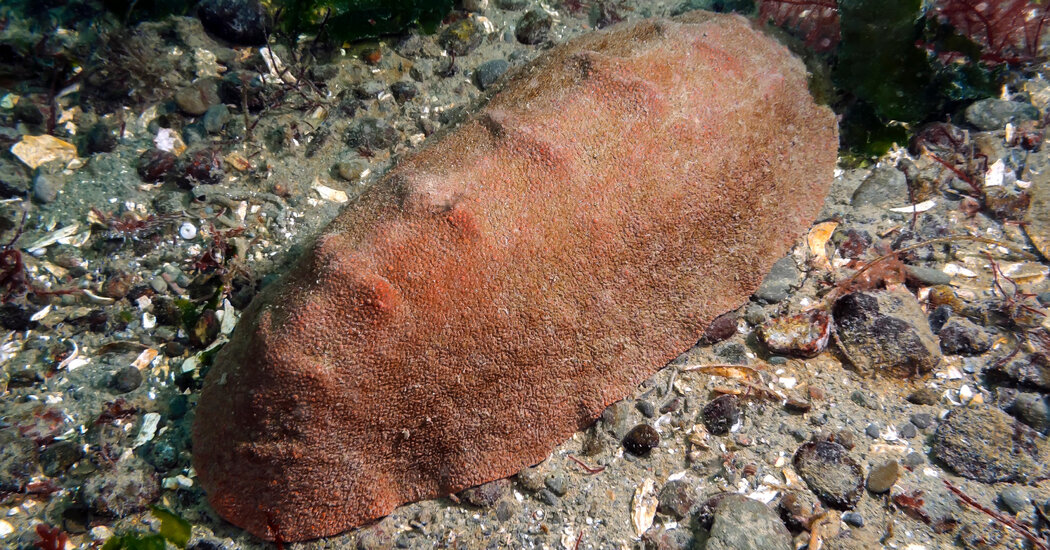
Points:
(496, 290)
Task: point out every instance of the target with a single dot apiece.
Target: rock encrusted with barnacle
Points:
(497, 289)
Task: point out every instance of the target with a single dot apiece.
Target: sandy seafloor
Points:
(66, 358)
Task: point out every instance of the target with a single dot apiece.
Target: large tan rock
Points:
(496, 290)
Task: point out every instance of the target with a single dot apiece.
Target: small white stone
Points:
(5, 529)
(188, 231)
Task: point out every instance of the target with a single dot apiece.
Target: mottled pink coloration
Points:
(500, 287)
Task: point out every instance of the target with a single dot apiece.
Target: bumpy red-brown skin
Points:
(499, 288)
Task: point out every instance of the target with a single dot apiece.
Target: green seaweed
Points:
(173, 529)
(886, 81)
(350, 20)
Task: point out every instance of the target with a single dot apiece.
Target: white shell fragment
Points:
(643, 506)
(188, 231)
(994, 176)
(5, 529)
(915, 208)
(148, 430)
(329, 194)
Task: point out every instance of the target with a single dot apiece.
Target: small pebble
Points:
(924, 396)
(676, 499)
(534, 26)
(830, 472)
(883, 476)
(908, 430)
(489, 72)
(873, 430)
(642, 439)
(914, 460)
(853, 519)
(922, 420)
(1015, 499)
(557, 483)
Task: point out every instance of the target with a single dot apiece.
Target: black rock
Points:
(924, 396)
(721, 413)
(17, 318)
(1033, 409)
(1030, 371)
(126, 379)
(960, 336)
(831, 473)
(489, 72)
(59, 456)
(642, 439)
(646, 408)
(922, 420)
(100, 138)
(534, 27)
(782, 277)
(14, 181)
(990, 446)
(939, 317)
(239, 22)
(886, 332)
(722, 328)
(28, 112)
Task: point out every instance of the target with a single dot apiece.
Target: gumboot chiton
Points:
(500, 287)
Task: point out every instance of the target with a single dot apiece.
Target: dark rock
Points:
(534, 27)
(16, 317)
(1033, 409)
(200, 166)
(913, 460)
(486, 494)
(803, 335)
(922, 420)
(196, 98)
(239, 22)
(154, 165)
(882, 477)
(504, 510)
(676, 499)
(403, 91)
(908, 430)
(371, 133)
(205, 330)
(163, 455)
(741, 523)
(960, 336)
(489, 72)
(887, 332)
(126, 379)
(721, 414)
(924, 396)
(831, 473)
(988, 445)
(855, 243)
(646, 408)
(100, 138)
(57, 457)
(886, 187)
(853, 519)
(369, 89)
(642, 439)
(512, 4)
(178, 407)
(722, 328)
(28, 112)
(617, 418)
(939, 317)
(994, 114)
(778, 283)
(873, 430)
(125, 489)
(462, 37)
